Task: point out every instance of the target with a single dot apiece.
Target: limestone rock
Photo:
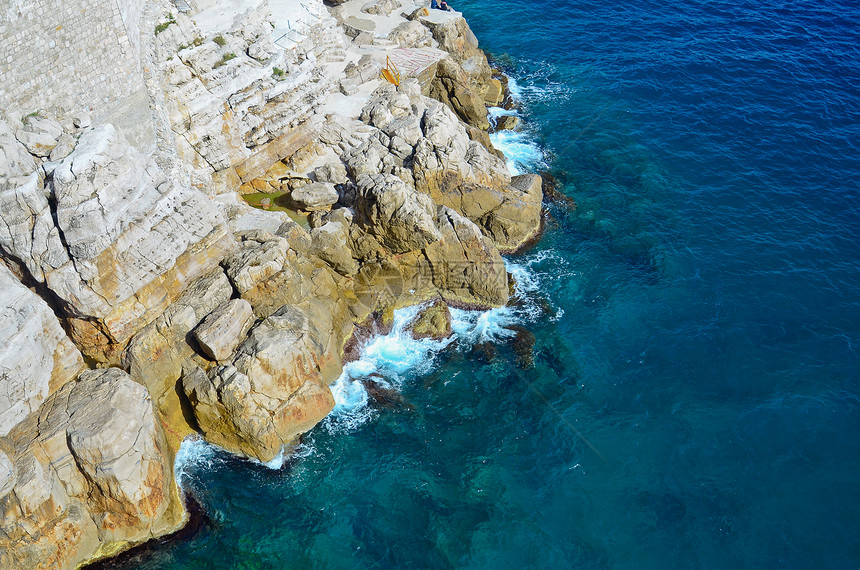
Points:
(222, 330)
(433, 321)
(7, 475)
(422, 142)
(453, 34)
(366, 69)
(315, 196)
(465, 265)
(271, 393)
(273, 270)
(39, 135)
(132, 239)
(507, 123)
(90, 474)
(82, 120)
(330, 245)
(355, 26)
(332, 172)
(451, 86)
(15, 160)
(380, 7)
(37, 143)
(155, 355)
(65, 146)
(517, 220)
(495, 93)
(411, 34)
(400, 218)
(36, 356)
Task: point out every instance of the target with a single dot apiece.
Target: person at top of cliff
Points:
(443, 5)
(434, 5)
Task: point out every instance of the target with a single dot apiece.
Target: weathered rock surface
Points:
(411, 34)
(516, 220)
(36, 356)
(132, 240)
(380, 7)
(315, 196)
(453, 35)
(156, 354)
(39, 135)
(232, 114)
(433, 321)
(272, 391)
(224, 328)
(142, 258)
(424, 144)
(329, 243)
(465, 265)
(333, 172)
(451, 86)
(400, 218)
(90, 473)
(15, 160)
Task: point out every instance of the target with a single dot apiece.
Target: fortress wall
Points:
(73, 54)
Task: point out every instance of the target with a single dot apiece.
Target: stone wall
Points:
(73, 54)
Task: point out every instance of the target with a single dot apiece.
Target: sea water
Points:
(692, 400)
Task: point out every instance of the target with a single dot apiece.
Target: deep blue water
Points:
(694, 400)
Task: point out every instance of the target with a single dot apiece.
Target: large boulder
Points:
(224, 328)
(329, 243)
(39, 135)
(465, 266)
(315, 196)
(411, 34)
(453, 35)
(272, 392)
(517, 219)
(90, 476)
(451, 86)
(400, 218)
(15, 160)
(36, 356)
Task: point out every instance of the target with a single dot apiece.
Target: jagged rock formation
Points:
(422, 142)
(99, 229)
(36, 356)
(85, 475)
(202, 313)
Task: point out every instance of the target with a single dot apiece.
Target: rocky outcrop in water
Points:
(85, 475)
(142, 299)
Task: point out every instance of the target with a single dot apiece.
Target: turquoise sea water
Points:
(693, 400)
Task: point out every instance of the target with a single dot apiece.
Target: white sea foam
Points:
(395, 358)
(515, 89)
(193, 454)
(522, 152)
(496, 112)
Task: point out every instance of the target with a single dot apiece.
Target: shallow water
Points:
(693, 400)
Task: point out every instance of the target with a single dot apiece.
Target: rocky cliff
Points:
(208, 280)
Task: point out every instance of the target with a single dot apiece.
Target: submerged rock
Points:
(382, 395)
(523, 344)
